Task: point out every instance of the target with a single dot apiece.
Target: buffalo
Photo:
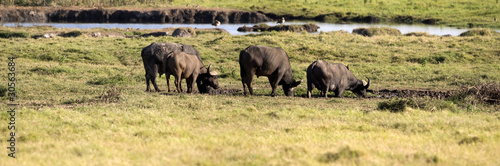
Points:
(154, 58)
(267, 61)
(185, 66)
(333, 77)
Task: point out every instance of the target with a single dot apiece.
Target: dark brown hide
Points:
(154, 59)
(271, 62)
(185, 66)
(334, 77)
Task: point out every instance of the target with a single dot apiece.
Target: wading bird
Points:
(282, 21)
(216, 23)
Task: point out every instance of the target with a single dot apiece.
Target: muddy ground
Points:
(383, 93)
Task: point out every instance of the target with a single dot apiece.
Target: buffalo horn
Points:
(214, 73)
(368, 84)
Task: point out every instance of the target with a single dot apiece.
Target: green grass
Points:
(458, 13)
(82, 102)
(377, 31)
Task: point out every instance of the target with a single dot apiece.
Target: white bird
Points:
(282, 21)
(216, 23)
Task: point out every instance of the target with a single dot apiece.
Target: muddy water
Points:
(231, 28)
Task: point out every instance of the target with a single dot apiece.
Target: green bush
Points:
(377, 31)
(3, 90)
(418, 34)
(113, 80)
(344, 153)
(480, 32)
(8, 34)
(397, 104)
(72, 34)
(478, 95)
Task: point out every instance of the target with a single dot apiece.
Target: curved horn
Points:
(213, 73)
(368, 84)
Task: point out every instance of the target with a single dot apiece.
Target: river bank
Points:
(204, 15)
(115, 15)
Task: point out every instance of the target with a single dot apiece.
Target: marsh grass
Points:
(377, 31)
(82, 102)
(8, 34)
(480, 32)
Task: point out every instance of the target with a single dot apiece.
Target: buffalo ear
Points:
(297, 83)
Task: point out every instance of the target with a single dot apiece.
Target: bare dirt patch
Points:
(384, 93)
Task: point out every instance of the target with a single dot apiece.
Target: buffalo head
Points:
(289, 88)
(360, 89)
(207, 79)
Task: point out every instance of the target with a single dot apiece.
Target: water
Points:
(232, 28)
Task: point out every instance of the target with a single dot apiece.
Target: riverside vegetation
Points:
(82, 102)
(457, 13)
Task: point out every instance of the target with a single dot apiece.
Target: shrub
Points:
(400, 104)
(3, 90)
(113, 80)
(71, 34)
(377, 31)
(418, 34)
(110, 95)
(470, 140)
(397, 104)
(480, 32)
(8, 34)
(344, 153)
(480, 93)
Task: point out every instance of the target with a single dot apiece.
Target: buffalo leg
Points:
(274, 80)
(178, 83)
(168, 81)
(310, 87)
(246, 80)
(148, 79)
(247, 84)
(326, 87)
(190, 83)
(152, 76)
(153, 80)
(339, 92)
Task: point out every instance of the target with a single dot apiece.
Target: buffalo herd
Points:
(184, 62)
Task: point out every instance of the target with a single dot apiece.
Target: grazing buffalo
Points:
(333, 77)
(154, 59)
(267, 61)
(185, 66)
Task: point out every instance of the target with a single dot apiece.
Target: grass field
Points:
(82, 102)
(458, 13)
